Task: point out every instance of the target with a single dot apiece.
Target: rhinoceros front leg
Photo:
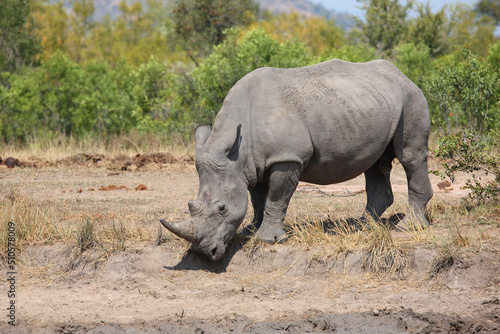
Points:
(283, 180)
(258, 195)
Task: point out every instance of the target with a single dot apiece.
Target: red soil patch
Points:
(141, 187)
(112, 187)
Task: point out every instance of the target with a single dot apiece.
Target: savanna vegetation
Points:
(159, 69)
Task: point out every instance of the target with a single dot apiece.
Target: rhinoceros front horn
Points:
(184, 229)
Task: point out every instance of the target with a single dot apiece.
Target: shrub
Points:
(464, 86)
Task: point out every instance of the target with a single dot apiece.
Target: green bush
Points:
(414, 61)
(467, 152)
(63, 98)
(463, 86)
(153, 86)
(356, 53)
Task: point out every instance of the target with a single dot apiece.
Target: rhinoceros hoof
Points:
(272, 234)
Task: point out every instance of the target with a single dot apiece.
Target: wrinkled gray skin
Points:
(322, 124)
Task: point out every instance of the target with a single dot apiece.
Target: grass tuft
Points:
(35, 222)
(383, 256)
(86, 238)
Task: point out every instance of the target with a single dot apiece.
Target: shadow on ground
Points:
(192, 261)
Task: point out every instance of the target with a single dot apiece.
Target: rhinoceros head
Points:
(222, 198)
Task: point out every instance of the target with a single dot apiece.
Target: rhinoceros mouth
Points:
(214, 252)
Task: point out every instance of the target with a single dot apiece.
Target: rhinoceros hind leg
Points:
(283, 180)
(410, 147)
(258, 195)
(378, 185)
(419, 193)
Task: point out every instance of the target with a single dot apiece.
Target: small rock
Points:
(12, 162)
(376, 312)
(444, 184)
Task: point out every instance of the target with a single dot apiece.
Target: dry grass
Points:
(58, 147)
(48, 222)
(383, 256)
(386, 255)
(36, 222)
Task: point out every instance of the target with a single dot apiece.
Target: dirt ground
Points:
(286, 288)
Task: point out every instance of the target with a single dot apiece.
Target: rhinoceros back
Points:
(335, 118)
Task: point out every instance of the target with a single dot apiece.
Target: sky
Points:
(350, 6)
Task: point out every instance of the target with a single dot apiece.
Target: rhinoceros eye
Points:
(222, 207)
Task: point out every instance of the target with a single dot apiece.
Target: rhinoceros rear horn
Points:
(184, 229)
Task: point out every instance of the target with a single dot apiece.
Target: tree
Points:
(386, 23)
(428, 29)
(81, 24)
(66, 98)
(318, 33)
(199, 24)
(468, 29)
(19, 46)
(135, 35)
(489, 7)
(51, 24)
(357, 53)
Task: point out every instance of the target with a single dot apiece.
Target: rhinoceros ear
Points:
(232, 154)
(200, 136)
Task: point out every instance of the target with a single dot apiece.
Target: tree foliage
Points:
(468, 29)
(414, 61)
(318, 33)
(490, 8)
(385, 23)
(428, 29)
(198, 25)
(137, 33)
(463, 86)
(62, 97)
(19, 46)
(356, 53)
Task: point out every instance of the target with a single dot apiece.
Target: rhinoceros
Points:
(322, 124)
